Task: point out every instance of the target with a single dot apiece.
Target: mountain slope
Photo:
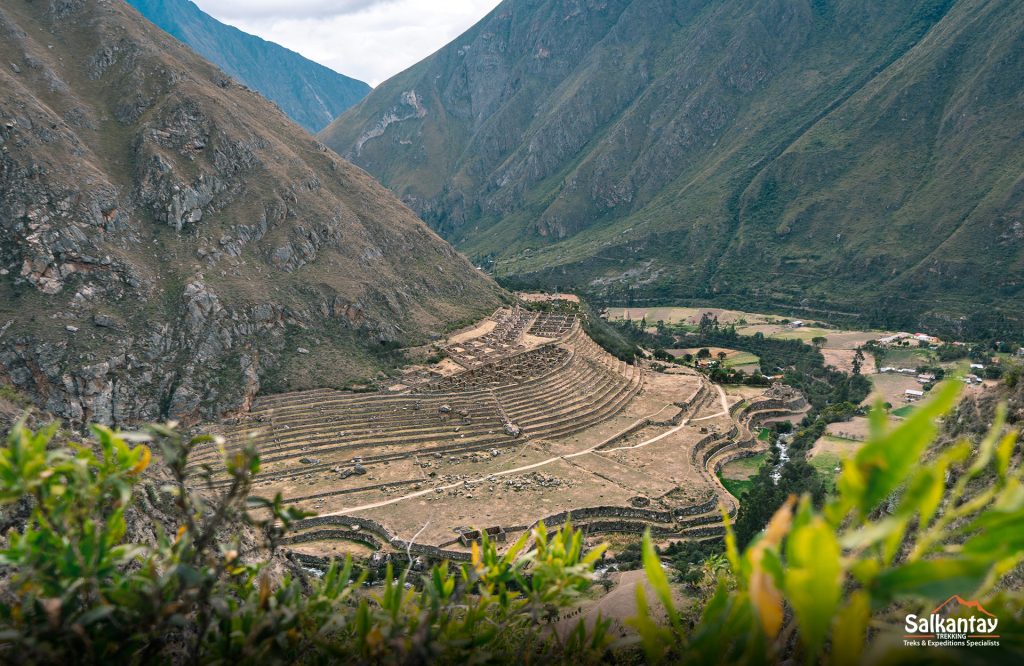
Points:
(170, 243)
(830, 154)
(312, 95)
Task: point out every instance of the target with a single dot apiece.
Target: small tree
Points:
(858, 361)
(708, 323)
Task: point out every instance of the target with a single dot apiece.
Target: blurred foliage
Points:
(911, 524)
(79, 592)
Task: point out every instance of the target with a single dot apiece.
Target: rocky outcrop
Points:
(169, 240)
(396, 114)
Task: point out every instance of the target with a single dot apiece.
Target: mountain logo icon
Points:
(957, 599)
(949, 623)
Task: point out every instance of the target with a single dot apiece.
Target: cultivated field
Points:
(539, 422)
(838, 349)
(740, 360)
(856, 429)
(690, 316)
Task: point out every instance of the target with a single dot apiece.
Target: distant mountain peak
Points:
(309, 93)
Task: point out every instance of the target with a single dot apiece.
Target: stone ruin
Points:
(552, 325)
(496, 533)
(519, 367)
(780, 391)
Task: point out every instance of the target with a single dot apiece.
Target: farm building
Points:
(913, 395)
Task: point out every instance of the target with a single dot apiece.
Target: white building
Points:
(893, 339)
(912, 395)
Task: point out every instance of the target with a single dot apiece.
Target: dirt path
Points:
(536, 465)
(619, 605)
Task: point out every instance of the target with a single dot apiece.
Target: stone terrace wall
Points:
(317, 535)
(376, 529)
(696, 509)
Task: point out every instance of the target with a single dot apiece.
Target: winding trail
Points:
(542, 463)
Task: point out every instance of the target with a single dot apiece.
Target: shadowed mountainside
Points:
(832, 154)
(172, 244)
(312, 95)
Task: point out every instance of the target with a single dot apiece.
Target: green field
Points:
(742, 358)
(826, 464)
(764, 434)
(903, 411)
(737, 487)
(737, 475)
(908, 357)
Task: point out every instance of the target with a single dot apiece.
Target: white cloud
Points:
(252, 9)
(370, 40)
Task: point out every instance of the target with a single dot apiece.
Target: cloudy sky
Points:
(370, 40)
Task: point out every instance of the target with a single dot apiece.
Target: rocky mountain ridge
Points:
(172, 244)
(859, 157)
(309, 93)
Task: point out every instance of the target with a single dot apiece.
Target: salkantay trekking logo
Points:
(938, 630)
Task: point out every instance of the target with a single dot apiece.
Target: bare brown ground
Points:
(856, 428)
(737, 392)
(844, 448)
(542, 298)
(638, 452)
(478, 331)
(332, 548)
(843, 359)
(618, 605)
(890, 387)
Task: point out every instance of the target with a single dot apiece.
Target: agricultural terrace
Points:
(538, 422)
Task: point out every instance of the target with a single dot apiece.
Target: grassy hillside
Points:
(834, 155)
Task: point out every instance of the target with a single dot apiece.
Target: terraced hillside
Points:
(540, 422)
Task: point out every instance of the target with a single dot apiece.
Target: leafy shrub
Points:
(79, 592)
(833, 585)
(910, 525)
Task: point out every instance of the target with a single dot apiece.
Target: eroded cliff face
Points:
(170, 240)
